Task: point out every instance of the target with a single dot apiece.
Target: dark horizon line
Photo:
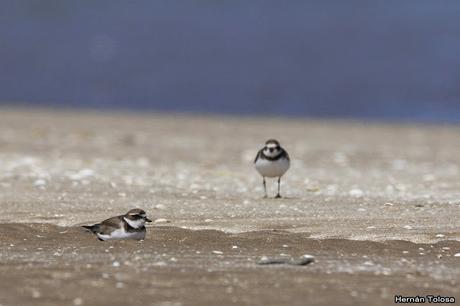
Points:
(118, 109)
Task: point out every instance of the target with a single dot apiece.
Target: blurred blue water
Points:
(350, 59)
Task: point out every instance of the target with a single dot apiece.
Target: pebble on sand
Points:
(40, 183)
(301, 261)
(356, 193)
(82, 174)
(161, 220)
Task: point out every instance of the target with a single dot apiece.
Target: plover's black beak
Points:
(147, 220)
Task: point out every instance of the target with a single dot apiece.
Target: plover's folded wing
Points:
(257, 156)
(108, 226)
(285, 155)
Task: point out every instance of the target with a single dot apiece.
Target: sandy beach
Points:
(377, 204)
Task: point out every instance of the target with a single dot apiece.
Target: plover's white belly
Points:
(269, 168)
(122, 234)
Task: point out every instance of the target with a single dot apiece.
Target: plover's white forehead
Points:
(272, 145)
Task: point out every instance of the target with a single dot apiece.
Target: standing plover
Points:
(272, 161)
(128, 226)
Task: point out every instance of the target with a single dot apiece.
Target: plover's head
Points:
(272, 148)
(136, 218)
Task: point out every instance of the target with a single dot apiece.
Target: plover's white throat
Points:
(128, 226)
(272, 161)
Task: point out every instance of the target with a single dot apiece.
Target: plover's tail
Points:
(92, 228)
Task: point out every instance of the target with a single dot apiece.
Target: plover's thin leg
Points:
(279, 183)
(265, 187)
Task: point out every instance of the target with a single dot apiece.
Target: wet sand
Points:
(376, 204)
(49, 265)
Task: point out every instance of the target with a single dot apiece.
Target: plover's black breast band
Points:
(282, 155)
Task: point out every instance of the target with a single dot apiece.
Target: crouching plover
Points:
(128, 226)
(272, 161)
